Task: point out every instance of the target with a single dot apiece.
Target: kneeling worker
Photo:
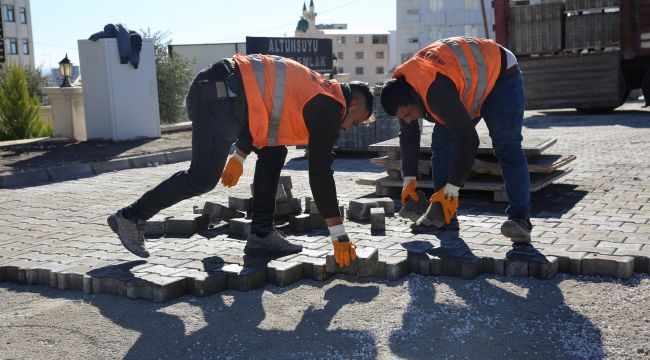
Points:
(276, 102)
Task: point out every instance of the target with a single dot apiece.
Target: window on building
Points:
(380, 39)
(340, 40)
(23, 15)
(412, 11)
(379, 70)
(471, 30)
(8, 13)
(11, 46)
(379, 54)
(358, 70)
(359, 39)
(358, 55)
(339, 55)
(472, 4)
(341, 70)
(406, 56)
(25, 46)
(412, 40)
(435, 5)
(435, 32)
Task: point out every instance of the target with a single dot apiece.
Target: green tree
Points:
(174, 75)
(35, 79)
(20, 113)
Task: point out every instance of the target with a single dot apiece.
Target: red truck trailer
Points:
(583, 54)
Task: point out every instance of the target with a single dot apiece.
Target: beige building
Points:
(363, 53)
(17, 33)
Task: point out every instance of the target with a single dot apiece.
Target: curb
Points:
(81, 170)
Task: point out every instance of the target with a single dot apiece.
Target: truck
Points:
(582, 54)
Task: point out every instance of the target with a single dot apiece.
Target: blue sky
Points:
(57, 25)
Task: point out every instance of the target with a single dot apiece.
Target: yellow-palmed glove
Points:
(408, 190)
(344, 249)
(234, 169)
(448, 199)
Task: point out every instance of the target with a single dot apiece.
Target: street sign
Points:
(313, 53)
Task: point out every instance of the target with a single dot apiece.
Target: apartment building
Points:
(421, 22)
(16, 33)
(363, 53)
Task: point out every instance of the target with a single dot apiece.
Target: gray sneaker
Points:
(131, 233)
(518, 230)
(274, 242)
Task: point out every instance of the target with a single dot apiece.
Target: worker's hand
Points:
(448, 199)
(344, 248)
(408, 190)
(234, 169)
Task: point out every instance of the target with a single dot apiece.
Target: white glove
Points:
(451, 190)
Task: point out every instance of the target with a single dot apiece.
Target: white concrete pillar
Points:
(67, 112)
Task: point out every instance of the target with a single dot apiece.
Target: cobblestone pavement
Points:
(594, 221)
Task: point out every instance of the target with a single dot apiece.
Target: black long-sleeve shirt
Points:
(322, 116)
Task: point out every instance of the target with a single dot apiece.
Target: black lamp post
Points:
(65, 69)
(335, 67)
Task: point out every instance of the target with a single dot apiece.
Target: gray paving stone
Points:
(159, 288)
(312, 267)
(283, 273)
(243, 278)
(493, 262)
(201, 283)
(453, 267)
(289, 207)
(69, 172)
(359, 209)
(365, 264)
(178, 156)
(101, 167)
(620, 267)
(516, 268)
(155, 226)
(412, 210)
(152, 160)
(377, 219)
(186, 225)
(25, 178)
(240, 227)
(393, 267)
(217, 212)
(544, 270)
(239, 203)
(568, 261)
(641, 258)
(286, 182)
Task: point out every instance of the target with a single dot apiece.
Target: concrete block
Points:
(544, 270)
(201, 283)
(289, 207)
(464, 270)
(641, 258)
(217, 212)
(147, 160)
(568, 261)
(377, 219)
(70, 172)
(359, 209)
(286, 182)
(239, 204)
(420, 263)
(620, 267)
(74, 278)
(241, 227)
(365, 264)
(101, 167)
(244, 278)
(516, 268)
(25, 178)
(309, 203)
(412, 210)
(196, 209)
(395, 267)
(300, 223)
(283, 273)
(163, 288)
(312, 267)
(155, 226)
(186, 224)
(178, 156)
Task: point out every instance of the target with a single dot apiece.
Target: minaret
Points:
(304, 10)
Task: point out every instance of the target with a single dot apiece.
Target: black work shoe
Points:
(130, 232)
(518, 230)
(273, 243)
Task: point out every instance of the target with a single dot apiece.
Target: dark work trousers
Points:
(270, 161)
(214, 129)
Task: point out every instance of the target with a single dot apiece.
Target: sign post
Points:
(313, 53)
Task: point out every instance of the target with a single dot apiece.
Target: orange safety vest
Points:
(277, 90)
(473, 64)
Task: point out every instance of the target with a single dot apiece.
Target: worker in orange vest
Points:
(263, 103)
(454, 83)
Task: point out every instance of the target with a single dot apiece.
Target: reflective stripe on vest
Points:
(278, 92)
(481, 69)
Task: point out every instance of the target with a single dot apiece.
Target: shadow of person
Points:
(263, 323)
(492, 318)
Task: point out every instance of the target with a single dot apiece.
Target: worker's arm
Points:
(409, 147)
(444, 101)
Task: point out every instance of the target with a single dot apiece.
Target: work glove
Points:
(448, 199)
(234, 169)
(344, 248)
(408, 190)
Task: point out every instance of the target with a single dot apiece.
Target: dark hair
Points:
(362, 88)
(396, 93)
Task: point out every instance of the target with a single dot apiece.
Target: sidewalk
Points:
(593, 222)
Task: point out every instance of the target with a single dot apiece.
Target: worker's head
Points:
(398, 98)
(360, 107)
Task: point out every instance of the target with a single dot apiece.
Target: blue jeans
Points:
(214, 130)
(503, 112)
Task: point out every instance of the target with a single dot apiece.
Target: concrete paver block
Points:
(240, 227)
(359, 209)
(365, 264)
(185, 225)
(217, 212)
(244, 278)
(201, 283)
(544, 270)
(394, 267)
(412, 210)
(641, 258)
(516, 268)
(312, 267)
(163, 288)
(239, 203)
(286, 182)
(289, 207)
(283, 273)
(568, 261)
(620, 267)
(461, 269)
(377, 219)
(155, 226)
